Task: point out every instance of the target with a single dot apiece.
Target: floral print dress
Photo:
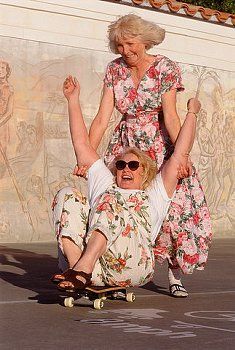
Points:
(125, 221)
(186, 233)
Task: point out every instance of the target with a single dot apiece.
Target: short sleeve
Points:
(170, 76)
(99, 179)
(108, 78)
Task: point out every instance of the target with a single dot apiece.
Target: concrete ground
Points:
(33, 318)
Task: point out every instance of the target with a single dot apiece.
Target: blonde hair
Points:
(149, 166)
(134, 26)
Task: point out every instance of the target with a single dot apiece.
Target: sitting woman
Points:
(127, 205)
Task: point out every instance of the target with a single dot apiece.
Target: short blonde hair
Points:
(149, 166)
(134, 26)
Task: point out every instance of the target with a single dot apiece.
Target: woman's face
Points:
(127, 178)
(131, 49)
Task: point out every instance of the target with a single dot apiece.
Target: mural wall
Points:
(36, 155)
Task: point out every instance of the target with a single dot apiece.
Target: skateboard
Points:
(96, 296)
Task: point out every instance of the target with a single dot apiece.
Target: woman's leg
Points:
(176, 287)
(95, 248)
(70, 216)
(71, 251)
(128, 261)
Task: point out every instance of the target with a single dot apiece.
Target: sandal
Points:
(178, 291)
(59, 277)
(74, 283)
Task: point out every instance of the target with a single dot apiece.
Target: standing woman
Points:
(141, 86)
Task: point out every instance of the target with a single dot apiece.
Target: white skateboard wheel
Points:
(98, 304)
(130, 297)
(69, 302)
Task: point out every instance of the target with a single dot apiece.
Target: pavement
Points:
(32, 315)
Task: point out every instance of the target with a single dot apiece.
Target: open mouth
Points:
(129, 56)
(127, 177)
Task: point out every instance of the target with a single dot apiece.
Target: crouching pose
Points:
(109, 241)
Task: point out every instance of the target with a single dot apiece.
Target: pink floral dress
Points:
(186, 233)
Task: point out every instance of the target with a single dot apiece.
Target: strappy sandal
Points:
(59, 277)
(178, 291)
(74, 283)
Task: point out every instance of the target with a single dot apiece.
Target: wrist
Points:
(73, 99)
(192, 112)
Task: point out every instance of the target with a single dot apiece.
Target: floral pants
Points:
(126, 224)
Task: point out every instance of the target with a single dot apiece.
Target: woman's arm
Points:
(171, 117)
(172, 123)
(100, 123)
(85, 154)
(183, 146)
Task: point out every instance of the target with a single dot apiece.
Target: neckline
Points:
(128, 190)
(145, 73)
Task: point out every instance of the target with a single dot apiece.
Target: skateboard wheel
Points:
(98, 304)
(68, 302)
(102, 296)
(130, 297)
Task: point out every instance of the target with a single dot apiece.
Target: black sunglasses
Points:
(132, 165)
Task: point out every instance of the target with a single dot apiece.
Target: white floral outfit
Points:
(126, 223)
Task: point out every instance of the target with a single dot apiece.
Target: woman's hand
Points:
(80, 171)
(194, 105)
(71, 87)
(185, 170)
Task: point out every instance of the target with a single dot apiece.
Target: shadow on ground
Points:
(36, 270)
(156, 288)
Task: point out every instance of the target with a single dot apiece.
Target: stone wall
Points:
(41, 42)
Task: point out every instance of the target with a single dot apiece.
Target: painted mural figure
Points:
(207, 154)
(229, 135)
(128, 204)
(219, 163)
(142, 86)
(223, 164)
(5, 227)
(6, 112)
(37, 207)
(27, 135)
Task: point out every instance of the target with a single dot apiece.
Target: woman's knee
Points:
(65, 191)
(70, 197)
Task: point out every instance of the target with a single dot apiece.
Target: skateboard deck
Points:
(95, 296)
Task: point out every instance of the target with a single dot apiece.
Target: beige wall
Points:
(42, 42)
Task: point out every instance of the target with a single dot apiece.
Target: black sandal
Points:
(75, 284)
(178, 291)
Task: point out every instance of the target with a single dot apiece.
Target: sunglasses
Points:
(132, 165)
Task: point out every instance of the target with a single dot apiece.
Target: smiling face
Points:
(131, 49)
(127, 178)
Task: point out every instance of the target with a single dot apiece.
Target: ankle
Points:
(174, 276)
(72, 263)
(84, 268)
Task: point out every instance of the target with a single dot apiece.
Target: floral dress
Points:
(186, 233)
(125, 221)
